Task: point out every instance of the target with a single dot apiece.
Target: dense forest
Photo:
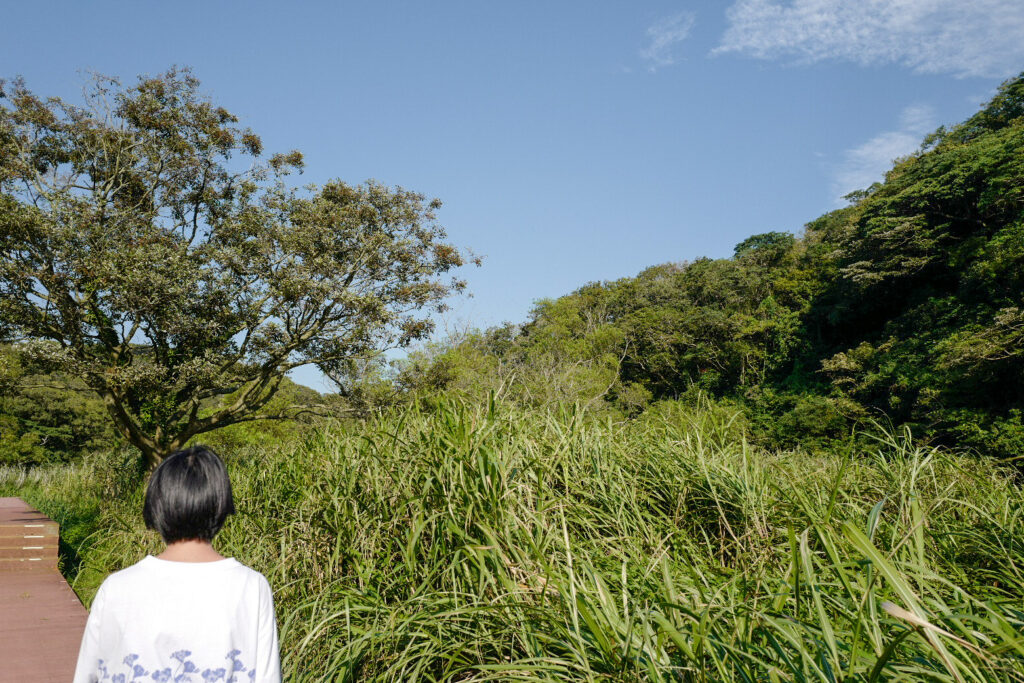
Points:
(906, 307)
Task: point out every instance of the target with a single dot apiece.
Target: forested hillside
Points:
(904, 307)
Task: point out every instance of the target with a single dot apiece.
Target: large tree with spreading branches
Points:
(149, 247)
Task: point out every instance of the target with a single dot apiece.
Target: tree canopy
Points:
(149, 248)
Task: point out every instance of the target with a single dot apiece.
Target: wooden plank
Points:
(31, 552)
(7, 534)
(41, 618)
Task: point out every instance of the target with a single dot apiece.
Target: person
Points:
(187, 614)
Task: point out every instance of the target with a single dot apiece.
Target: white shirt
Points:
(165, 621)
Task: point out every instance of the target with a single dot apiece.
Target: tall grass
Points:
(482, 542)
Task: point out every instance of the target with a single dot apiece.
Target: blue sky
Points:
(569, 141)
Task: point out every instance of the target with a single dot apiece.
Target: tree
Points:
(147, 247)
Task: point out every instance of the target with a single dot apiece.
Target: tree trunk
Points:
(153, 451)
(152, 456)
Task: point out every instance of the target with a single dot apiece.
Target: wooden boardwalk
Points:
(41, 619)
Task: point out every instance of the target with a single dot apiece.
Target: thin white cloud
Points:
(960, 37)
(663, 36)
(867, 163)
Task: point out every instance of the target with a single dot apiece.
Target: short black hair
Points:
(189, 496)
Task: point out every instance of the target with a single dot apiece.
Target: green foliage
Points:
(491, 542)
(47, 417)
(562, 359)
(768, 248)
(304, 407)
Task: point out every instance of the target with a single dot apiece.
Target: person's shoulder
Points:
(117, 581)
(257, 581)
(128, 573)
(251, 574)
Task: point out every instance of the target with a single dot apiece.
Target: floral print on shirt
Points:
(186, 671)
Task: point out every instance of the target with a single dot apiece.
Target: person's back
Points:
(194, 617)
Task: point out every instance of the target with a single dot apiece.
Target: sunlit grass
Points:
(490, 543)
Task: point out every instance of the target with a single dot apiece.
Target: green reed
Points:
(488, 542)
